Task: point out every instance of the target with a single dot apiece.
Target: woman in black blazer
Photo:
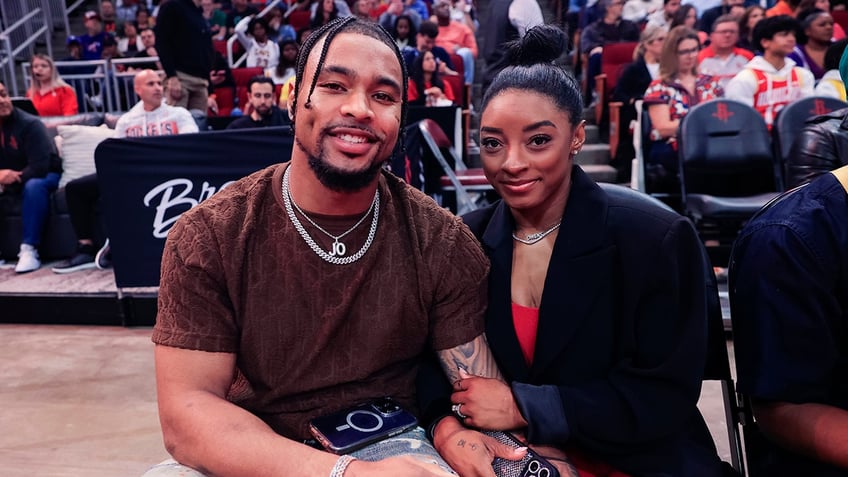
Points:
(598, 302)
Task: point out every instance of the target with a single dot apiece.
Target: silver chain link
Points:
(288, 202)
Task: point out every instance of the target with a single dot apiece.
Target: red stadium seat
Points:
(242, 75)
(299, 20)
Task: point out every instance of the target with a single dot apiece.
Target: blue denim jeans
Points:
(36, 206)
(413, 443)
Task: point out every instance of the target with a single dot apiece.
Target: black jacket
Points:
(183, 39)
(25, 146)
(820, 147)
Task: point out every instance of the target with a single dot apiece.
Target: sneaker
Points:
(103, 260)
(82, 260)
(27, 259)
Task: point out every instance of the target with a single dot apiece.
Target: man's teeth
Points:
(352, 138)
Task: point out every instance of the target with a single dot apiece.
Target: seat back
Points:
(789, 122)
(725, 151)
(840, 17)
(299, 19)
(615, 57)
(458, 65)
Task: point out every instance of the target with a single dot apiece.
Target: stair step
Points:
(593, 134)
(600, 172)
(593, 154)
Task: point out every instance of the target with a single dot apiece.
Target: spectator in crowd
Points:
(609, 29)
(125, 11)
(129, 42)
(722, 59)
(727, 7)
(463, 11)
(783, 7)
(770, 82)
(664, 16)
(395, 10)
(822, 145)
(184, 44)
(287, 65)
(585, 362)
(631, 86)
(50, 95)
(109, 17)
(263, 110)
(240, 10)
(220, 77)
(787, 295)
(92, 41)
(669, 98)
(215, 18)
(814, 37)
(425, 40)
(824, 5)
(261, 52)
(327, 12)
(278, 28)
(342, 8)
(426, 88)
(686, 16)
(831, 84)
(74, 46)
(638, 11)
(747, 22)
(404, 31)
(456, 37)
(148, 50)
(270, 225)
(143, 19)
(508, 21)
(111, 51)
(150, 117)
(29, 173)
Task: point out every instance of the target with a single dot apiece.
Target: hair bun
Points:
(541, 44)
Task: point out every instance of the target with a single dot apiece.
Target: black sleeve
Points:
(37, 149)
(813, 153)
(167, 27)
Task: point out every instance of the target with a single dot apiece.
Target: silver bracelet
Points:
(341, 466)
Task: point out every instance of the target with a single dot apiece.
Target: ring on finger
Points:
(456, 410)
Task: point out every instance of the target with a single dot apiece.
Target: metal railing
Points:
(234, 38)
(19, 37)
(100, 85)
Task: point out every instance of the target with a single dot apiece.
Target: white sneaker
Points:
(27, 259)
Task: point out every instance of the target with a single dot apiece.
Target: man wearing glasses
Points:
(264, 111)
(723, 59)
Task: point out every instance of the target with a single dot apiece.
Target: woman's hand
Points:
(434, 91)
(469, 452)
(488, 403)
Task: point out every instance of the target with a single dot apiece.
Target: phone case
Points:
(532, 465)
(352, 429)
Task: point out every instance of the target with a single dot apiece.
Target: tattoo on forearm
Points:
(475, 357)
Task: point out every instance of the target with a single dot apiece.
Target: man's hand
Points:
(212, 104)
(470, 452)
(9, 176)
(173, 84)
(488, 403)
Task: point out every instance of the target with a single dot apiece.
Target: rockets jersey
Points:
(767, 89)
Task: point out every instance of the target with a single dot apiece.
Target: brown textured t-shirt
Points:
(312, 337)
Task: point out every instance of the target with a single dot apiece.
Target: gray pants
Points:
(412, 443)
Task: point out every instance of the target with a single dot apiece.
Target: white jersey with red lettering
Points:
(768, 89)
(162, 121)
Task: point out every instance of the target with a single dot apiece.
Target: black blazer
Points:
(622, 337)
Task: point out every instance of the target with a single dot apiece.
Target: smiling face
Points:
(527, 146)
(349, 126)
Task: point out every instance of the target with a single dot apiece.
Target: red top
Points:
(61, 101)
(412, 90)
(526, 322)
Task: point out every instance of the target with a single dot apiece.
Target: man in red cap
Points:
(92, 41)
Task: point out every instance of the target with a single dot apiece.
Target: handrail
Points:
(234, 38)
(9, 53)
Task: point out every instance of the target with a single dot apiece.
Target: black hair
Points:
(428, 28)
(319, 19)
(329, 31)
(679, 17)
(805, 18)
(283, 64)
(412, 30)
(258, 21)
(532, 69)
(766, 28)
(833, 55)
(416, 74)
(259, 79)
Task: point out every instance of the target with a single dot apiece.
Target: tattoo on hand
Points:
(461, 443)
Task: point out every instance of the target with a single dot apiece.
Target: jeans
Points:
(467, 64)
(36, 206)
(412, 443)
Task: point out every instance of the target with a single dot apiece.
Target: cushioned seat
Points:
(701, 205)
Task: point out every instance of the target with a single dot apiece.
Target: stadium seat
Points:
(615, 57)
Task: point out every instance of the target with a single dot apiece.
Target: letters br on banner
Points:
(147, 183)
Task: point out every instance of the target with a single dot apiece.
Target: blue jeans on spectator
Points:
(413, 443)
(36, 206)
(467, 63)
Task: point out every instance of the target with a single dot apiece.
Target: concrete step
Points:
(593, 134)
(601, 172)
(593, 154)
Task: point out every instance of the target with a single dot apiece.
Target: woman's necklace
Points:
(336, 254)
(534, 238)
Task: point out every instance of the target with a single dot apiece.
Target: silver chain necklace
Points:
(335, 255)
(534, 238)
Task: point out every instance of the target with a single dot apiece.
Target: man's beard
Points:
(337, 179)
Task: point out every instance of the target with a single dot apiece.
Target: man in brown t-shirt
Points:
(313, 286)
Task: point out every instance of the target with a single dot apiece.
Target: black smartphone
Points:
(532, 465)
(352, 429)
